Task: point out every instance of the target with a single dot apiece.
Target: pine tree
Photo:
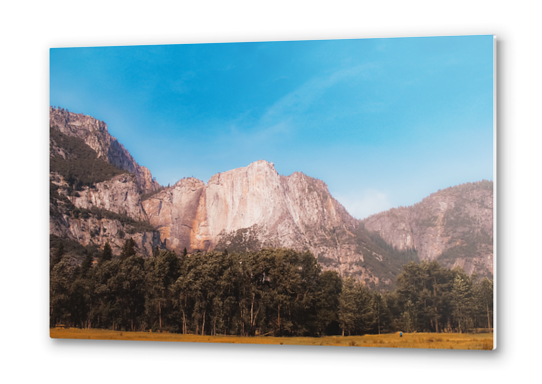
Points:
(347, 306)
(107, 254)
(57, 256)
(161, 273)
(128, 249)
(59, 293)
(483, 296)
(365, 317)
(462, 301)
(381, 312)
(87, 263)
(327, 304)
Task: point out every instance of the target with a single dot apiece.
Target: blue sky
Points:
(384, 122)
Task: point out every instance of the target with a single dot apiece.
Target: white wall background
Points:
(29, 29)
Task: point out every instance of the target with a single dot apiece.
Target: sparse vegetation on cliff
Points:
(77, 163)
(148, 195)
(133, 226)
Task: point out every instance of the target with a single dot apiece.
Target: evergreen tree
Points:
(382, 314)
(161, 274)
(305, 315)
(409, 317)
(327, 304)
(107, 254)
(284, 283)
(347, 306)
(130, 285)
(60, 281)
(86, 265)
(483, 296)
(80, 295)
(128, 249)
(364, 317)
(462, 301)
(57, 256)
(105, 313)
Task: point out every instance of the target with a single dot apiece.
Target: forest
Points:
(278, 292)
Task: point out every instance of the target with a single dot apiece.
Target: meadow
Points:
(480, 341)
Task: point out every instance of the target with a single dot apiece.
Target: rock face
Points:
(119, 195)
(87, 218)
(96, 136)
(277, 210)
(174, 212)
(94, 231)
(453, 226)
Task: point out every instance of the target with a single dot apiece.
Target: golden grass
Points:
(409, 340)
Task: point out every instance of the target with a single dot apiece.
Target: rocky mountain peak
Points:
(188, 182)
(95, 134)
(261, 167)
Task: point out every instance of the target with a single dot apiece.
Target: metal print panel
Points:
(335, 193)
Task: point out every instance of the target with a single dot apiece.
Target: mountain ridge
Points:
(254, 207)
(450, 221)
(95, 134)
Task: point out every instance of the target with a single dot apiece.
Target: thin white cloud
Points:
(257, 137)
(299, 100)
(279, 119)
(366, 203)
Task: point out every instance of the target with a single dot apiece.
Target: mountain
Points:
(453, 226)
(94, 133)
(96, 186)
(254, 207)
(100, 194)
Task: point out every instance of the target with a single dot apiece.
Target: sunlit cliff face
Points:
(285, 209)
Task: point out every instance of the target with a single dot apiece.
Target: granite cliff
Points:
(248, 208)
(453, 226)
(94, 133)
(110, 211)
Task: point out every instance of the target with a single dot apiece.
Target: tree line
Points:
(278, 292)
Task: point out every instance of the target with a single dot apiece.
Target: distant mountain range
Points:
(100, 194)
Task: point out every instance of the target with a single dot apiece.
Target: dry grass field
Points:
(409, 340)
